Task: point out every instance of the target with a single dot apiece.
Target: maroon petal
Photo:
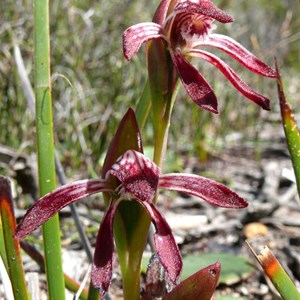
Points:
(127, 137)
(235, 80)
(239, 53)
(104, 249)
(136, 35)
(50, 204)
(204, 7)
(200, 285)
(203, 188)
(161, 12)
(166, 247)
(197, 87)
(138, 175)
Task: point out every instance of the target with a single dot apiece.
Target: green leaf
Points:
(234, 268)
(12, 246)
(291, 130)
(273, 269)
(2, 246)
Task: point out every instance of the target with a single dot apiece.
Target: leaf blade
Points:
(291, 129)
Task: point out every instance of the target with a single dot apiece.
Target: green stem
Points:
(93, 293)
(161, 130)
(143, 107)
(45, 147)
(131, 279)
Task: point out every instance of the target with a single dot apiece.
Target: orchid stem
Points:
(131, 280)
(162, 130)
(45, 147)
(143, 107)
(93, 293)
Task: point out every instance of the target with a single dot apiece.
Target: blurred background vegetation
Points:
(93, 85)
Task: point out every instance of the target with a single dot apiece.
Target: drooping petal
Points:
(239, 53)
(235, 80)
(203, 7)
(136, 35)
(166, 247)
(203, 188)
(50, 204)
(138, 175)
(197, 87)
(104, 249)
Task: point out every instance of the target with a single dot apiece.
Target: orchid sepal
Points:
(203, 188)
(239, 53)
(135, 36)
(48, 205)
(197, 87)
(233, 78)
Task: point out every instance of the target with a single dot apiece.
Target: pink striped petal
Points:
(203, 188)
(197, 87)
(165, 245)
(138, 175)
(161, 12)
(104, 249)
(239, 53)
(203, 7)
(47, 206)
(136, 35)
(235, 80)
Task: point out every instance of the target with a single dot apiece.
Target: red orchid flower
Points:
(139, 179)
(186, 25)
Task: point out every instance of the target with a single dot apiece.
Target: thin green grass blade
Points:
(12, 246)
(5, 281)
(277, 274)
(2, 246)
(71, 285)
(46, 166)
(291, 130)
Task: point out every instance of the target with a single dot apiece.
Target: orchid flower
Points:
(139, 179)
(186, 25)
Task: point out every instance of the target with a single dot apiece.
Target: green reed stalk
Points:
(12, 258)
(45, 147)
